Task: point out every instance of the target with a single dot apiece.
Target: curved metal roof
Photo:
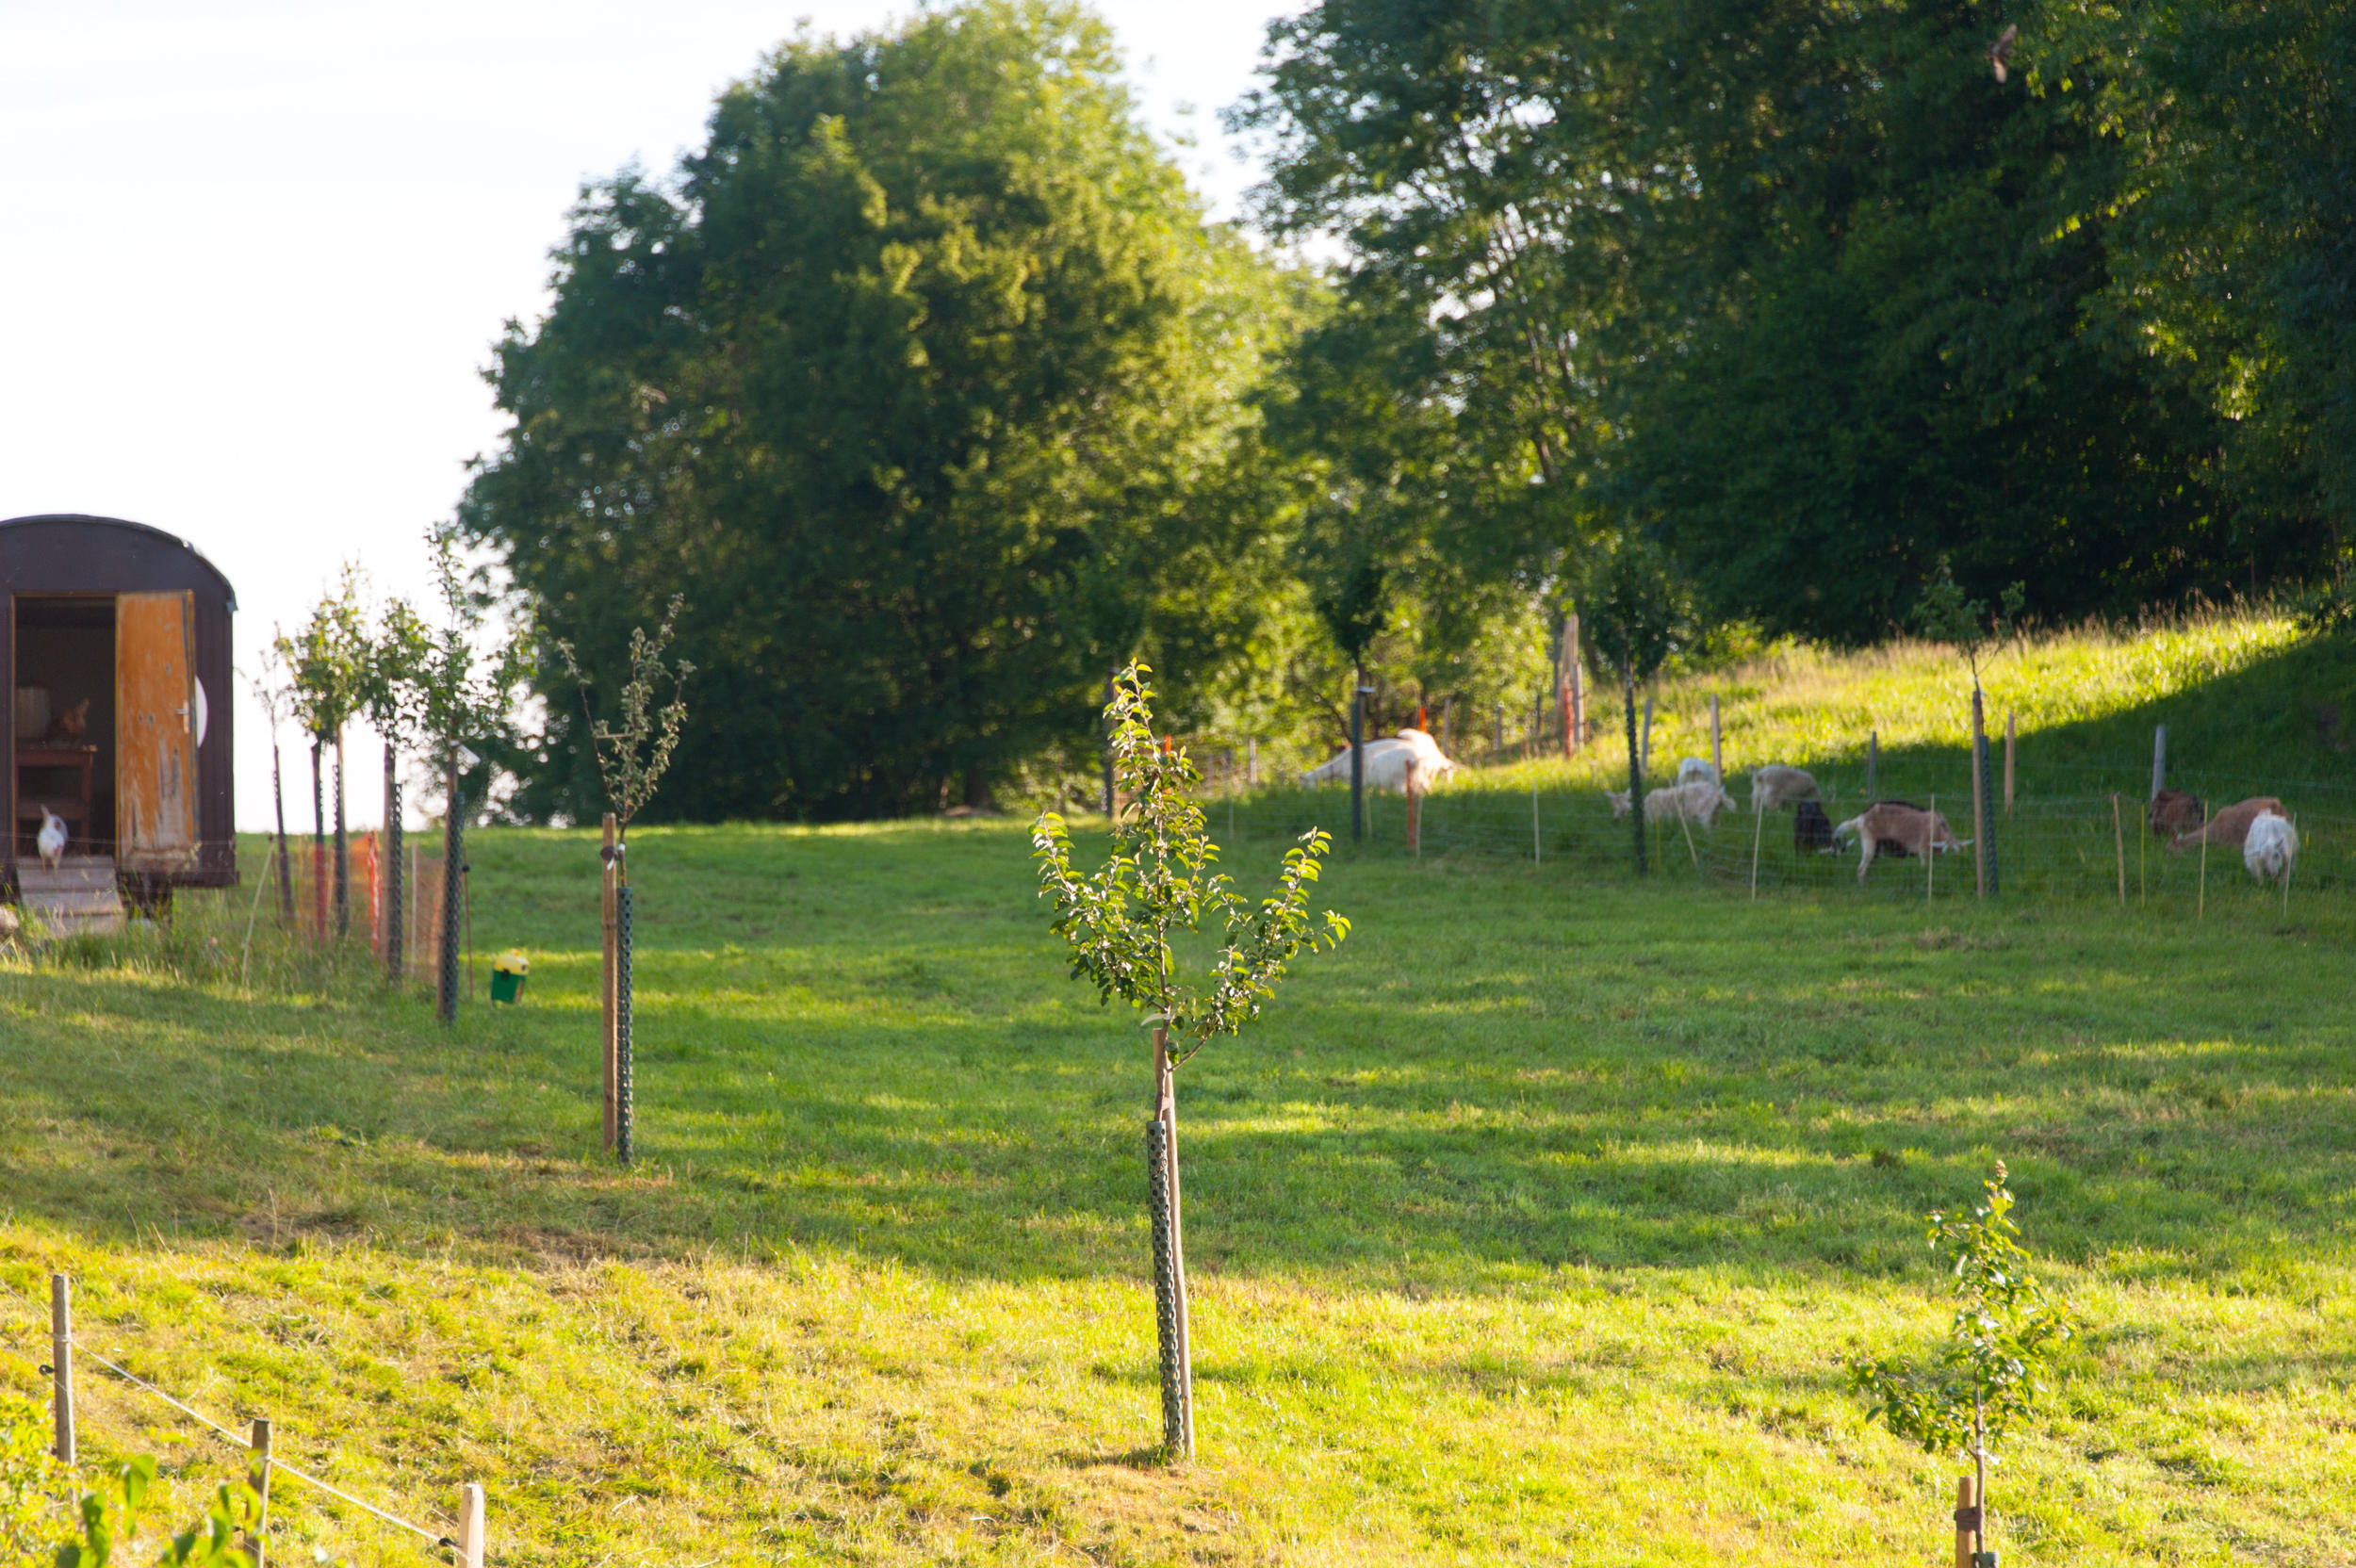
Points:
(171, 539)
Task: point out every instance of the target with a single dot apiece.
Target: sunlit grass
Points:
(1536, 1226)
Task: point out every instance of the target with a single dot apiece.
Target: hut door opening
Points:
(155, 719)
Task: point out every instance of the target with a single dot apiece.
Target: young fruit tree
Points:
(1639, 615)
(1119, 922)
(398, 656)
(328, 661)
(632, 756)
(460, 690)
(1987, 1375)
(1943, 615)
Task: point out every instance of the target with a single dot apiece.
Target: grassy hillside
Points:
(1536, 1226)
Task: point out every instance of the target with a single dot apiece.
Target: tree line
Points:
(928, 383)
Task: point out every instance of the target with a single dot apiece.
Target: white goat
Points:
(2272, 848)
(1696, 802)
(1695, 770)
(1386, 764)
(1776, 786)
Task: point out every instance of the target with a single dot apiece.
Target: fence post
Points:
(260, 1482)
(2012, 741)
(62, 1365)
(470, 1525)
(1717, 762)
(1358, 762)
(1930, 853)
(1966, 1521)
(1980, 814)
(606, 991)
(2159, 759)
(622, 1087)
(1872, 765)
(1537, 854)
(1578, 693)
(2201, 901)
(1645, 748)
(2119, 842)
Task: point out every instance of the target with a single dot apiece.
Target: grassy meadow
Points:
(1537, 1225)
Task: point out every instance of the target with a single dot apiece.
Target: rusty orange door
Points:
(156, 731)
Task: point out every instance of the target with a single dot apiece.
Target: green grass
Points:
(1536, 1225)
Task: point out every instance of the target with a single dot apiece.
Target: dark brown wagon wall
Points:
(73, 557)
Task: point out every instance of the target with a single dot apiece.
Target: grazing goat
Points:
(2271, 849)
(2228, 827)
(1695, 770)
(1698, 802)
(2174, 811)
(1810, 828)
(1890, 826)
(1386, 764)
(1776, 786)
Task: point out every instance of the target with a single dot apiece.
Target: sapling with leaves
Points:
(109, 1521)
(462, 693)
(632, 754)
(1639, 613)
(1119, 922)
(1986, 1378)
(328, 661)
(398, 658)
(1944, 614)
(275, 693)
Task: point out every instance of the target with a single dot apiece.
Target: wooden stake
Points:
(1537, 851)
(470, 1531)
(259, 1480)
(1979, 793)
(2159, 759)
(2201, 901)
(2118, 842)
(2012, 740)
(607, 991)
(1716, 764)
(62, 1365)
(1966, 1521)
(1644, 750)
(1872, 765)
(1930, 852)
(1759, 829)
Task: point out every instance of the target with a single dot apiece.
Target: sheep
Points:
(2271, 848)
(1810, 828)
(1695, 770)
(1776, 786)
(2227, 828)
(1698, 802)
(1892, 826)
(1386, 764)
(2173, 811)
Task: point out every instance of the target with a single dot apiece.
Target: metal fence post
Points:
(61, 1364)
(622, 1096)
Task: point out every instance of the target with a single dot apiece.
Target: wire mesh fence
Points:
(2067, 831)
(305, 905)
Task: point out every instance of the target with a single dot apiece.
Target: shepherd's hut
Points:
(117, 655)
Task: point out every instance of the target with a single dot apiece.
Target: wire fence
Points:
(465, 1548)
(2066, 831)
(377, 906)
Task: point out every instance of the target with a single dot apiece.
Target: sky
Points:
(255, 255)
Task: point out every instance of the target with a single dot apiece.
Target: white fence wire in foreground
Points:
(466, 1545)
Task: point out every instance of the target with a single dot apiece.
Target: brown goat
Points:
(2229, 827)
(2174, 811)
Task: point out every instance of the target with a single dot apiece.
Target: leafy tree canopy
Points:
(925, 382)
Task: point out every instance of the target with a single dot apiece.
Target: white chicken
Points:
(52, 839)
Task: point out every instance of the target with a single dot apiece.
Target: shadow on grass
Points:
(866, 1044)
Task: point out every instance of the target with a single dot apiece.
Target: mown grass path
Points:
(1535, 1225)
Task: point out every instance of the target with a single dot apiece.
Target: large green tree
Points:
(924, 379)
(1804, 293)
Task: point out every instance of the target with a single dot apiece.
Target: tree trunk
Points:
(389, 869)
(1170, 1256)
(1358, 756)
(1635, 766)
(278, 801)
(343, 850)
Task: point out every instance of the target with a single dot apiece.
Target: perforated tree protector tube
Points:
(621, 1023)
(391, 873)
(1165, 1284)
(453, 871)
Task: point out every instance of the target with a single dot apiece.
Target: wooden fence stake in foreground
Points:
(61, 1364)
(1966, 1521)
(259, 1480)
(1872, 765)
(1716, 756)
(2119, 842)
(471, 1526)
